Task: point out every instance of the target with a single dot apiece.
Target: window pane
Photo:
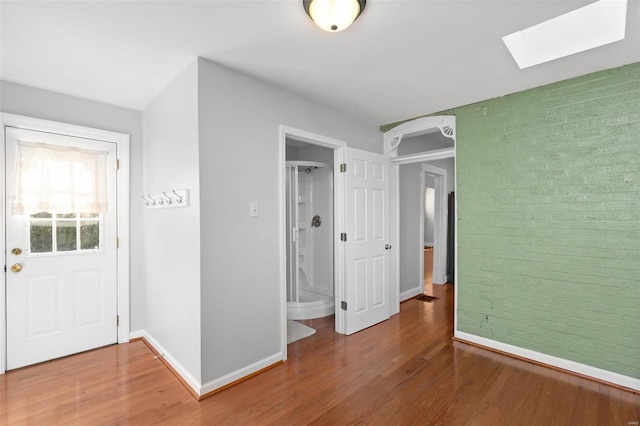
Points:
(40, 233)
(89, 235)
(66, 236)
(89, 215)
(41, 215)
(66, 215)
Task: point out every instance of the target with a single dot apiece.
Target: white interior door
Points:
(367, 258)
(61, 268)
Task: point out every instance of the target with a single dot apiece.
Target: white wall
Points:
(409, 218)
(172, 236)
(291, 153)
(239, 158)
(316, 153)
(425, 142)
(310, 152)
(33, 102)
(449, 165)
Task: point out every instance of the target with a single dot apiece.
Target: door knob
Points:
(387, 246)
(16, 251)
(16, 267)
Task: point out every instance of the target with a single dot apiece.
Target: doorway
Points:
(323, 150)
(422, 210)
(309, 230)
(422, 140)
(361, 238)
(434, 189)
(66, 283)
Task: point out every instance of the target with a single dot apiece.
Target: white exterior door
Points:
(61, 267)
(367, 259)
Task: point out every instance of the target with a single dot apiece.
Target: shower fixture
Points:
(310, 291)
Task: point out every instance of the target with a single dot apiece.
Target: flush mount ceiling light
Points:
(591, 26)
(334, 15)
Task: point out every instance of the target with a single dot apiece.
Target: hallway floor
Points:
(428, 269)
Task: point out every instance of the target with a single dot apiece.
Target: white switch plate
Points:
(253, 209)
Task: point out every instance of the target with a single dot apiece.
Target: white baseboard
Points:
(203, 389)
(406, 295)
(564, 364)
(178, 368)
(137, 334)
(241, 373)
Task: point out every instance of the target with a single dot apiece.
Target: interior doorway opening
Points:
(321, 156)
(423, 213)
(309, 230)
(423, 140)
(436, 185)
(429, 230)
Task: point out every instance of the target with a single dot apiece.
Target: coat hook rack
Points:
(167, 199)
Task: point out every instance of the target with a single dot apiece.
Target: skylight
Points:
(594, 25)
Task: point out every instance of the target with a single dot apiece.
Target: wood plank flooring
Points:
(405, 371)
(428, 266)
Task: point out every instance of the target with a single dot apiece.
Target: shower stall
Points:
(309, 216)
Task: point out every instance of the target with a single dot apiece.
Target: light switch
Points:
(253, 208)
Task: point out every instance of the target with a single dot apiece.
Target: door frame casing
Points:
(122, 221)
(339, 148)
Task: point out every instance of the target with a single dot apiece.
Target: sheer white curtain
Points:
(53, 178)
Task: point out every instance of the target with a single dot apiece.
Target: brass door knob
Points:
(16, 267)
(16, 251)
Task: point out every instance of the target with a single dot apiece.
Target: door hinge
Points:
(117, 242)
(118, 164)
(343, 236)
(343, 305)
(343, 167)
(117, 320)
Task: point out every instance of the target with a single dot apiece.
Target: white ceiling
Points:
(399, 60)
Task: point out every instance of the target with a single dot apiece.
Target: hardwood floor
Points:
(428, 267)
(406, 370)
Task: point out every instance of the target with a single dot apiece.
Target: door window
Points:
(64, 233)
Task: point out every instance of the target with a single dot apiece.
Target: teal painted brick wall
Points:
(549, 219)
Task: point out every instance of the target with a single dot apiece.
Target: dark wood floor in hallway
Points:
(405, 371)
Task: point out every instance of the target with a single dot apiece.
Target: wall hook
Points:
(167, 199)
(179, 197)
